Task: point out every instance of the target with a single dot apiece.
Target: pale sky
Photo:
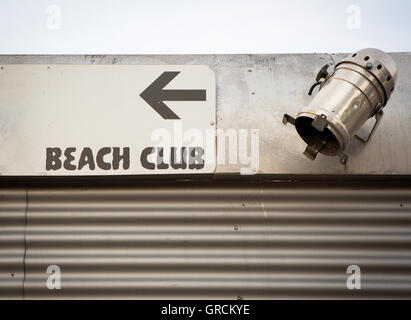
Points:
(209, 26)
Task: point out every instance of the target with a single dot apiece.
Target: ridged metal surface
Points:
(207, 240)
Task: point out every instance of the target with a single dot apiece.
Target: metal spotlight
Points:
(358, 89)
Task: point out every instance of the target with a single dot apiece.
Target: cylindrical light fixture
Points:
(358, 89)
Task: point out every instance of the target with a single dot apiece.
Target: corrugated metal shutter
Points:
(207, 240)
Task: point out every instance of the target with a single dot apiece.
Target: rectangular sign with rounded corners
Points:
(68, 120)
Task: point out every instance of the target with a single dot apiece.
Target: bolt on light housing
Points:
(358, 88)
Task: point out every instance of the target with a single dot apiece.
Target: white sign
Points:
(106, 120)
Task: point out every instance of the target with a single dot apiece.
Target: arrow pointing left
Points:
(155, 94)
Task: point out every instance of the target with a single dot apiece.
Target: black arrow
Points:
(154, 95)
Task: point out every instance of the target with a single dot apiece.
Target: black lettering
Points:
(144, 158)
(174, 163)
(69, 158)
(100, 158)
(53, 161)
(86, 158)
(117, 157)
(196, 158)
(160, 159)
